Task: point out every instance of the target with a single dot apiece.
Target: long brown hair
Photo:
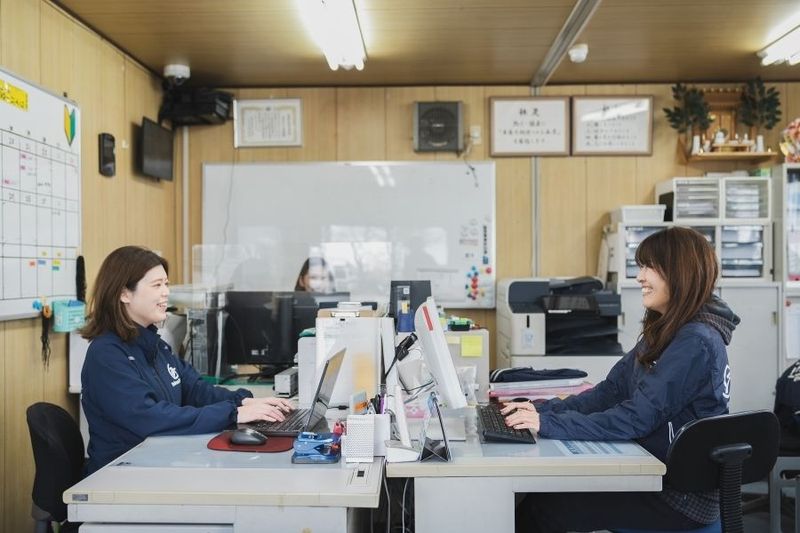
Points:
(122, 269)
(307, 264)
(686, 261)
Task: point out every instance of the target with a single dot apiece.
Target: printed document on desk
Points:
(595, 448)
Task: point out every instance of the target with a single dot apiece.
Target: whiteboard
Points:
(40, 196)
(372, 222)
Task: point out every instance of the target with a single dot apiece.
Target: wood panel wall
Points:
(46, 47)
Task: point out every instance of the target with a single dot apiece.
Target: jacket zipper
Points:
(158, 378)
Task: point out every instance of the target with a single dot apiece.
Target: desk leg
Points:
(478, 504)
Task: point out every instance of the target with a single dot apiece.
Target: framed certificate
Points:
(612, 125)
(273, 122)
(528, 126)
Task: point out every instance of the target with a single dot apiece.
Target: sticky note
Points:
(471, 346)
(452, 339)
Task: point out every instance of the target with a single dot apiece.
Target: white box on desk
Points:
(366, 437)
(361, 367)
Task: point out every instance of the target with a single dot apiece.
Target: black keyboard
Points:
(293, 424)
(493, 428)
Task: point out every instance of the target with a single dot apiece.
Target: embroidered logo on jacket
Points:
(173, 372)
(726, 383)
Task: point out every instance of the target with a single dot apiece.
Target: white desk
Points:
(475, 492)
(177, 484)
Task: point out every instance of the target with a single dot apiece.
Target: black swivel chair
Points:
(58, 454)
(722, 452)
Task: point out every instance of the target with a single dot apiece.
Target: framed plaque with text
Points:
(612, 125)
(529, 126)
(273, 122)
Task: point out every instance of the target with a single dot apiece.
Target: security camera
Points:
(176, 73)
(578, 53)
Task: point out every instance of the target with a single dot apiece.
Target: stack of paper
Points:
(538, 390)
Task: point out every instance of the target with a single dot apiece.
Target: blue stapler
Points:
(316, 448)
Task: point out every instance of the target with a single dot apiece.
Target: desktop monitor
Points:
(262, 328)
(436, 355)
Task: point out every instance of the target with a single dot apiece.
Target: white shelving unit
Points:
(786, 194)
(744, 250)
(711, 200)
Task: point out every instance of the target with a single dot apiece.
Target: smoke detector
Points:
(578, 53)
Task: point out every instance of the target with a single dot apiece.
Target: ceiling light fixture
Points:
(785, 49)
(333, 25)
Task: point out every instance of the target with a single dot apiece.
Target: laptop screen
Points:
(322, 398)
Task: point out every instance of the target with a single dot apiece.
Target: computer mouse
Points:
(248, 436)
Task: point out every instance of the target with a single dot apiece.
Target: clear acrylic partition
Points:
(358, 260)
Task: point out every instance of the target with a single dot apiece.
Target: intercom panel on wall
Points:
(438, 127)
(107, 163)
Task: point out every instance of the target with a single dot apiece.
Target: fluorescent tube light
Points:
(785, 49)
(333, 25)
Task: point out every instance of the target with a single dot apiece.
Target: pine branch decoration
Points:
(692, 110)
(760, 107)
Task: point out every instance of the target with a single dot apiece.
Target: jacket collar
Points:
(147, 341)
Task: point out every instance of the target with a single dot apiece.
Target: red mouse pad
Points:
(222, 443)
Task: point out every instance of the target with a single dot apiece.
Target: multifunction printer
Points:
(540, 316)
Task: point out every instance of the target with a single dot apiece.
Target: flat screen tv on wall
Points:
(155, 150)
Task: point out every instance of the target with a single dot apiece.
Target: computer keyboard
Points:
(293, 422)
(493, 428)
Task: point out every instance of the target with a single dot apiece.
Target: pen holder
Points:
(68, 315)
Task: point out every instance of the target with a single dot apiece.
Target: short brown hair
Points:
(122, 269)
(688, 264)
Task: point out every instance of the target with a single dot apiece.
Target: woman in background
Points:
(677, 372)
(133, 385)
(314, 276)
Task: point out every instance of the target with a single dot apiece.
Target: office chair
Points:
(58, 455)
(785, 474)
(722, 452)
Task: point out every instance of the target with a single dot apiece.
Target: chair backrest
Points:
(690, 463)
(58, 454)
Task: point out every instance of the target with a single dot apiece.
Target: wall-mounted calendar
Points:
(612, 125)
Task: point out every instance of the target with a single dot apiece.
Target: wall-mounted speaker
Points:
(438, 127)
(108, 161)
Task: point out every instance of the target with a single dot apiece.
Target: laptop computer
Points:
(301, 420)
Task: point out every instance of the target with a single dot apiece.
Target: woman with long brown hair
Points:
(314, 276)
(133, 386)
(677, 372)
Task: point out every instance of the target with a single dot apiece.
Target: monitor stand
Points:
(434, 449)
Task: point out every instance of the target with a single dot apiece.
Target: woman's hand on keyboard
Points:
(521, 415)
(258, 410)
(280, 403)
